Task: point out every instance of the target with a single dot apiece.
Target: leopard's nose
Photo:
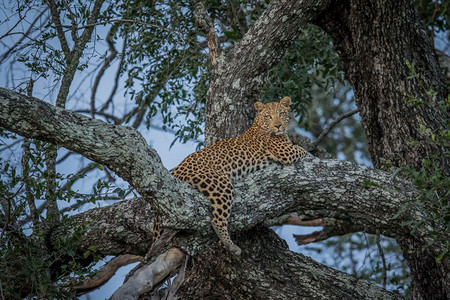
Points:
(278, 126)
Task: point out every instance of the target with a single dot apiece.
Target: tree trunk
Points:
(374, 39)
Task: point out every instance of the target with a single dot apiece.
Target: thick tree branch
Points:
(123, 228)
(102, 142)
(206, 26)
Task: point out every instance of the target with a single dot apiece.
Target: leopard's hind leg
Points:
(219, 190)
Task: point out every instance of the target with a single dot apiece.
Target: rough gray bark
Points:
(122, 228)
(258, 274)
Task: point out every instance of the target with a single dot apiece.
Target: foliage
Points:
(432, 179)
(29, 268)
(30, 262)
(310, 62)
(434, 14)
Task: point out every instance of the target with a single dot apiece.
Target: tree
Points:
(374, 40)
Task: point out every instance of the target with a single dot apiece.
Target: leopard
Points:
(214, 169)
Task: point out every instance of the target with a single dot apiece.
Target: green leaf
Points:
(370, 184)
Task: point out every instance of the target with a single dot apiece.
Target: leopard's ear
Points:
(259, 106)
(286, 102)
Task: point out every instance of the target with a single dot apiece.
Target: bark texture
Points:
(374, 39)
(257, 274)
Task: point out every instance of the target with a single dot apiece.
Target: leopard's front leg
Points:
(282, 150)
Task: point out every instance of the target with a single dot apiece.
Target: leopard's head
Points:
(273, 117)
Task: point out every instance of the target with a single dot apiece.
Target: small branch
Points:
(105, 66)
(78, 175)
(73, 57)
(239, 17)
(50, 192)
(145, 278)
(74, 24)
(383, 259)
(331, 125)
(108, 117)
(206, 26)
(294, 219)
(25, 169)
(116, 78)
(105, 273)
(331, 228)
(58, 26)
(25, 34)
(28, 193)
(17, 141)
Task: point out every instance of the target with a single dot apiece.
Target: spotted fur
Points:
(213, 169)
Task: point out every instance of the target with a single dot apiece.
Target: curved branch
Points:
(331, 125)
(105, 66)
(105, 273)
